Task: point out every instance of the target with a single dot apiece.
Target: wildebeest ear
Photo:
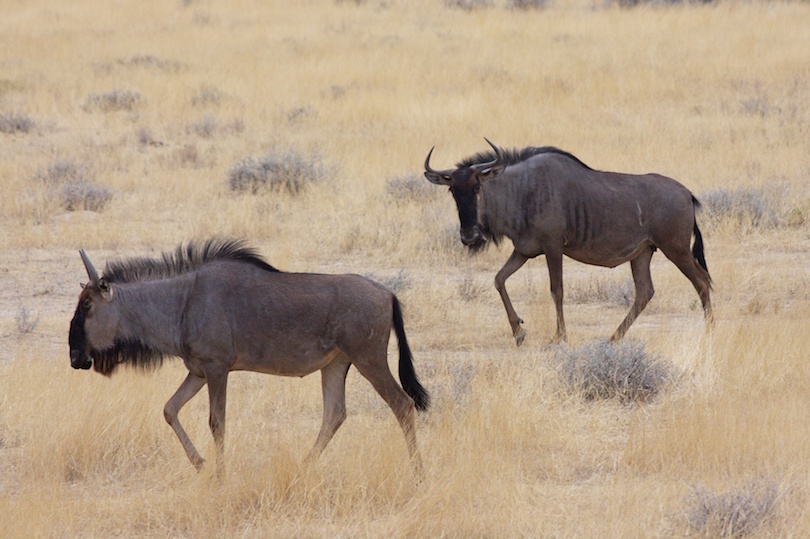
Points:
(104, 288)
(438, 178)
(489, 173)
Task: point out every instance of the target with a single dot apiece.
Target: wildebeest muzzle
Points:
(79, 360)
(472, 237)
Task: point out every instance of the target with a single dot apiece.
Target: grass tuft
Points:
(281, 170)
(469, 290)
(623, 370)
(411, 187)
(25, 321)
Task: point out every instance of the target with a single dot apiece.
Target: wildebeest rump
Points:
(220, 307)
(549, 202)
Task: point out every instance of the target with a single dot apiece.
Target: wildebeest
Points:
(549, 202)
(220, 307)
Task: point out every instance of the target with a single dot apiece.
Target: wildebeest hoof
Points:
(520, 334)
(198, 463)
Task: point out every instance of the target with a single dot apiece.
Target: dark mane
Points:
(184, 259)
(515, 156)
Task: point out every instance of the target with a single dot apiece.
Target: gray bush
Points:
(526, 4)
(208, 96)
(281, 170)
(117, 100)
(149, 61)
(634, 3)
(737, 513)
(85, 196)
(468, 5)
(596, 290)
(743, 206)
(622, 370)
(15, 123)
(209, 126)
(63, 171)
(70, 184)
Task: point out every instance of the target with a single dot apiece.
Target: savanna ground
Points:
(129, 127)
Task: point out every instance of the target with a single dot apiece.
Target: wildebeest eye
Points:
(85, 305)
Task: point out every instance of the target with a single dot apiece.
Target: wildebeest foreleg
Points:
(515, 262)
(190, 387)
(555, 275)
(644, 291)
(333, 383)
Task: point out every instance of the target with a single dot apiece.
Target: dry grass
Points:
(154, 104)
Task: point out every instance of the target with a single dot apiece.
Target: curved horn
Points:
(427, 162)
(91, 271)
(494, 162)
(439, 177)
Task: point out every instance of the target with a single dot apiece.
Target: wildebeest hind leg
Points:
(644, 291)
(515, 262)
(190, 387)
(333, 383)
(217, 393)
(380, 376)
(555, 276)
(699, 278)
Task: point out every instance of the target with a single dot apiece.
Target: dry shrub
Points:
(634, 3)
(736, 513)
(602, 290)
(15, 123)
(526, 4)
(742, 207)
(149, 61)
(117, 100)
(468, 5)
(69, 183)
(281, 170)
(622, 370)
(209, 126)
(208, 96)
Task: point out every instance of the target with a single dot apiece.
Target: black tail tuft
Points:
(407, 374)
(697, 248)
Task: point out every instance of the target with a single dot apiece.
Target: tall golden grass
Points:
(716, 96)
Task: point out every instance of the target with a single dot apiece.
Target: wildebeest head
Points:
(94, 325)
(465, 185)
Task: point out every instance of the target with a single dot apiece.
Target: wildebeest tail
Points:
(407, 374)
(697, 248)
